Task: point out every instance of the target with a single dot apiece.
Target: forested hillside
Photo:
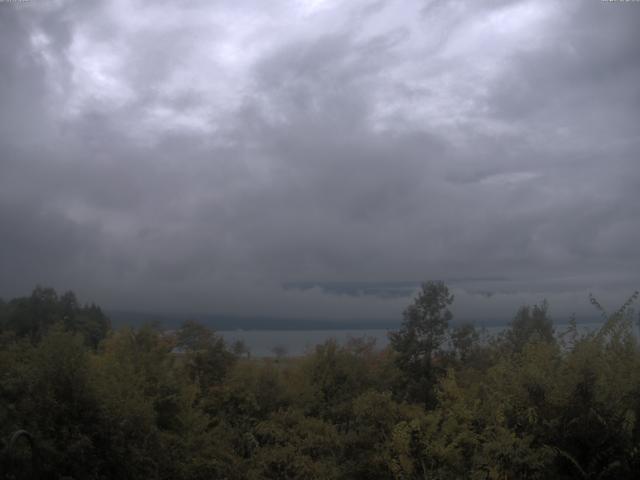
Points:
(79, 400)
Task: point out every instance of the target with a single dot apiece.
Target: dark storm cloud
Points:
(316, 158)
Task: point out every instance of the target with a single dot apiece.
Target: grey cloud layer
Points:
(207, 158)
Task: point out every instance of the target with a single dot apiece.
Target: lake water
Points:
(261, 343)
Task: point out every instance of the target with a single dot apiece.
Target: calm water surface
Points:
(261, 343)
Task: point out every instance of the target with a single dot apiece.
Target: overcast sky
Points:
(319, 158)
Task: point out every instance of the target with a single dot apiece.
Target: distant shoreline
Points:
(231, 323)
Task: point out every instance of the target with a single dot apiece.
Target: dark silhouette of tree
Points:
(207, 357)
(530, 324)
(420, 337)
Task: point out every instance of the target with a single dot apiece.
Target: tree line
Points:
(80, 400)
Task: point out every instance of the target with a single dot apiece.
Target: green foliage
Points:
(32, 317)
(419, 339)
(463, 340)
(143, 403)
(292, 445)
(206, 357)
(530, 324)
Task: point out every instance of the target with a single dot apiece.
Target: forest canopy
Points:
(81, 400)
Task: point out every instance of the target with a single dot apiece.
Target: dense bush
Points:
(440, 402)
